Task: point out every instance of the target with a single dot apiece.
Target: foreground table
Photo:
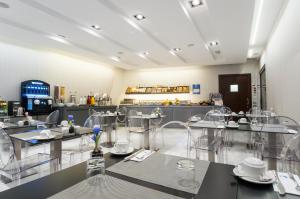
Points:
(218, 183)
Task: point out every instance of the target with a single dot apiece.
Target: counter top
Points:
(84, 107)
(171, 106)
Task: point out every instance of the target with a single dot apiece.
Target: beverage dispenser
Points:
(35, 95)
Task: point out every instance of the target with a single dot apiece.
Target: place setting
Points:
(122, 148)
(232, 124)
(254, 171)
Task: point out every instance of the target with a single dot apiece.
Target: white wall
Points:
(282, 60)
(206, 76)
(18, 64)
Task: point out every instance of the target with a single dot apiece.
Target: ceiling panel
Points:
(169, 24)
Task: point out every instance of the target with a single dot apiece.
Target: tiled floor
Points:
(175, 143)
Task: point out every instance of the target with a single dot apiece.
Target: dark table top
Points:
(219, 183)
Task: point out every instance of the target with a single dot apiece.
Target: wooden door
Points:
(236, 91)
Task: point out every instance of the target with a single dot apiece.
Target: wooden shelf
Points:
(157, 90)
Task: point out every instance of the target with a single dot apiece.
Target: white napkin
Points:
(288, 183)
(142, 155)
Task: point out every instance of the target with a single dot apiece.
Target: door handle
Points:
(248, 101)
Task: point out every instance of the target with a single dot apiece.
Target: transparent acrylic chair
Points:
(195, 118)
(122, 116)
(136, 126)
(12, 169)
(177, 145)
(158, 141)
(211, 138)
(52, 119)
(290, 156)
(276, 131)
(71, 153)
(122, 133)
(225, 110)
(155, 123)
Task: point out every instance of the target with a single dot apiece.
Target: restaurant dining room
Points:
(149, 99)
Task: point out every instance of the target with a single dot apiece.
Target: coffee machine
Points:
(14, 108)
(35, 97)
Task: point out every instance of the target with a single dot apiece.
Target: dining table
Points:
(272, 130)
(32, 137)
(146, 120)
(128, 180)
(110, 120)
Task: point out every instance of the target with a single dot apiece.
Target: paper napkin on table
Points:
(288, 183)
(142, 155)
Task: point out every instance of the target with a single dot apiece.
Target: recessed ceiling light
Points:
(117, 59)
(143, 55)
(139, 16)
(59, 38)
(196, 3)
(176, 49)
(4, 5)
(213, 43)
(191, 45)
(62, 36)
(172, 52)
(96, 27)
(92, 32)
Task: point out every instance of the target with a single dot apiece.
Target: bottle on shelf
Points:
(88, 100)
(92, 100)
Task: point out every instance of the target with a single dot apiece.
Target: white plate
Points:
(38, 137)
(292, 131)
(130, 150)
(268, 173)
(231, 126)
(243, 122)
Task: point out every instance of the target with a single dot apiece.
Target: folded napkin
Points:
(142, 155)
(288, 183)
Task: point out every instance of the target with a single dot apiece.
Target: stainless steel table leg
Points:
(146, 134)
(18, 148)
(55, 149)
(272, 148)
(109, 143)
(210, 139)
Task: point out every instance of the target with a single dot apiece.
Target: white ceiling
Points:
(169, 24)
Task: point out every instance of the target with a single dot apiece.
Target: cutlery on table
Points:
(281, 189)
(294, 179)
(133, 155)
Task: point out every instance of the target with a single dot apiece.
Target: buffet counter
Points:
(81, 112)
(173, 112)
